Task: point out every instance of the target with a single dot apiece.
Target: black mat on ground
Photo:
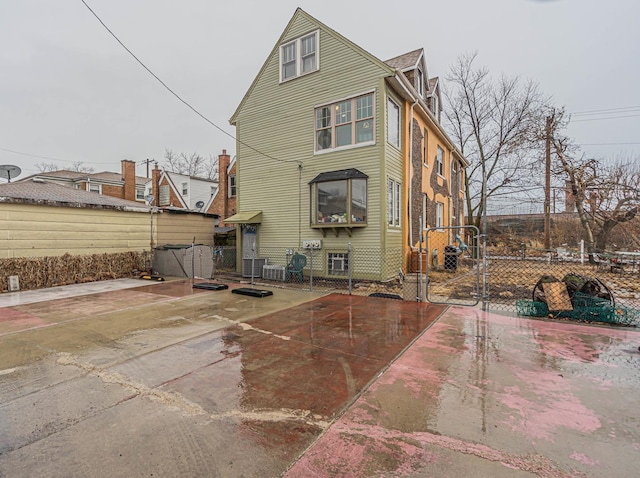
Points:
(252, 292)
(386, 295)
(210, 286)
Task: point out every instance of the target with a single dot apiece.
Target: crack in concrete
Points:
(276, 415)
(246, 326)
(188, 408)
(173, 400)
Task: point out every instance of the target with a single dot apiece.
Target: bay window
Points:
(339, 199)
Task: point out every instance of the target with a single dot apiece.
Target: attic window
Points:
(420, 86)
(299, 57)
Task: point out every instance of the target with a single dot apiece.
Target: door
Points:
(249, 241)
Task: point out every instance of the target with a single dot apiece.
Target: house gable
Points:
(276, 123)
(300, 25)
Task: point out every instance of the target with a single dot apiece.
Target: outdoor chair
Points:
(295, 267)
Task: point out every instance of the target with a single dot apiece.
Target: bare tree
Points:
(47, 167)
(77, 166)
(495, 124)
(616, 200)
(605, 196)
(190, 164)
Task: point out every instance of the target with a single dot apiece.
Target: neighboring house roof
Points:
(36, 191)
(75, 176)
(199, 189)
(407, 60)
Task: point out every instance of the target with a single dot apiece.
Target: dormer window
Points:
(299, 57)
(420, 86)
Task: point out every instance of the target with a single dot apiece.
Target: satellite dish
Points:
(9, 171)
(149, 198)
(200, 204)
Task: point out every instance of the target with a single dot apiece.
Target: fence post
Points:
(485, 296)
(253, 258)
(349, 266)
(419, 297)
(311, 271)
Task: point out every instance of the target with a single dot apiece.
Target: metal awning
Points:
(223, 230)
(247, 217)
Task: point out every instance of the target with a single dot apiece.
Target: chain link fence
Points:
(515, 278)
(539, 265)
(348, 270)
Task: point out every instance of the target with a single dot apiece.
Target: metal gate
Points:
(451, 259)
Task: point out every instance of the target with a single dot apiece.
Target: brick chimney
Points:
(129, 178)
(223, 187)
(155, 185)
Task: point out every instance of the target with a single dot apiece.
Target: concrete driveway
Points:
(127, 378)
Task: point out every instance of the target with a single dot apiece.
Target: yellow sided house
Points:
(339, 151)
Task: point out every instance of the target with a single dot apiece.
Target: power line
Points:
(600, 119)
(44, 157)
(605, 144)
(606, 111)
(178, 96)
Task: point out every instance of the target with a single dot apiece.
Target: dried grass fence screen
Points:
(40, 272)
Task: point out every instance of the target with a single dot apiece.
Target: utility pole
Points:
(147, 161)
(547, 186)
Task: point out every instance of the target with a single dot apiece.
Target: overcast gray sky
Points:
(69, 92)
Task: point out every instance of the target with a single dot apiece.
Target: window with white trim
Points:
(185, 189)
(440, 161)
(393, 123)
(232, 185)
(439, 215)
(338, 263)
(299, 57)
(139, 194)
(424, 149)
(94, 187)
(345, 123)
(420, 85)
(165, 195)
(394, 202)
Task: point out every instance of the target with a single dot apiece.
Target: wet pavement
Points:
(485, 395)
(158, 379)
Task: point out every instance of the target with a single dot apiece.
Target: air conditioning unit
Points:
(258, 264)
(273, 272)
